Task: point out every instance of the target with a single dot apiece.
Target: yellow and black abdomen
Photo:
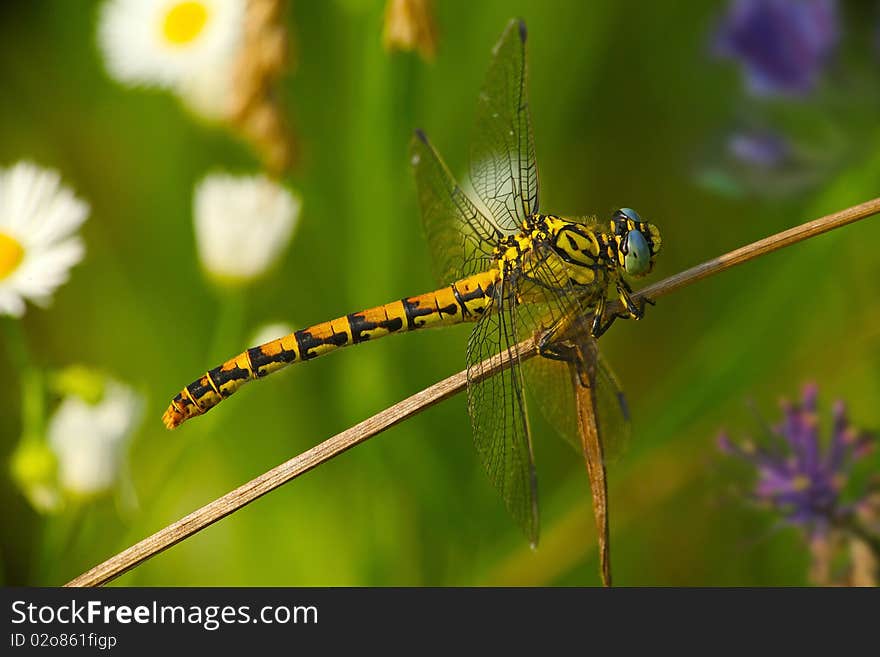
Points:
(464, 300)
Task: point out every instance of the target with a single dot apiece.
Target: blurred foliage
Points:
(624, 99)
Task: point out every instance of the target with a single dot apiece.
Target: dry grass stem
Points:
(238, 498)
(760, 248)
(268, 481)
(865, 568)
(410, 25)
(595, 460)
(256, 111)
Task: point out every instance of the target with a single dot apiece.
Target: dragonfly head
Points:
(638, 242)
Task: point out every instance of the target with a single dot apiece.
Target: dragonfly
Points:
(511, 270)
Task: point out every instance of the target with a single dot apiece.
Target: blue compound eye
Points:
(631, 214)
(637, 260)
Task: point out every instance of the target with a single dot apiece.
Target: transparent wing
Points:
(497, 409)
(460, 237)
(554, 301)
(551, 385)
(611, 405)
(503, 169)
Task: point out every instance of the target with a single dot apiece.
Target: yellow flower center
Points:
(184, 22)
(11, 255)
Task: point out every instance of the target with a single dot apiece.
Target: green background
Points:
(625, 106)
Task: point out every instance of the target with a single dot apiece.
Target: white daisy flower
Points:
(90, 441)
(268, 332)
(38, 245)
(242, 225)
(169, 43)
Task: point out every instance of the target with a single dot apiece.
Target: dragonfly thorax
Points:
(579, 249)
(583, 255)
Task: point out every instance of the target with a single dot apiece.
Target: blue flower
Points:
(797, 476)
(782, 45)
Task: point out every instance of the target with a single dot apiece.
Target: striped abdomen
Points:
(463, 301)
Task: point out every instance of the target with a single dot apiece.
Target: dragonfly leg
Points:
(549, 345)
(553, 345)
(601, 320)
(624, 292)
(634, 310)
(563, 351)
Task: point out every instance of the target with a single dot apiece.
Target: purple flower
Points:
(797, 475)
(782, 45)
(762, 149)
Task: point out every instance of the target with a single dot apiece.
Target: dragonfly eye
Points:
(637, 254)
(629, 213)
(622, 220)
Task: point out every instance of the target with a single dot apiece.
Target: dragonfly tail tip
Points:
(172, 418)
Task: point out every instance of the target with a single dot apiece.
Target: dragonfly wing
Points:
(550, 386)
(612, 408)
(503, 169)
(554, 301)
(497, 408)
(460, 237)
